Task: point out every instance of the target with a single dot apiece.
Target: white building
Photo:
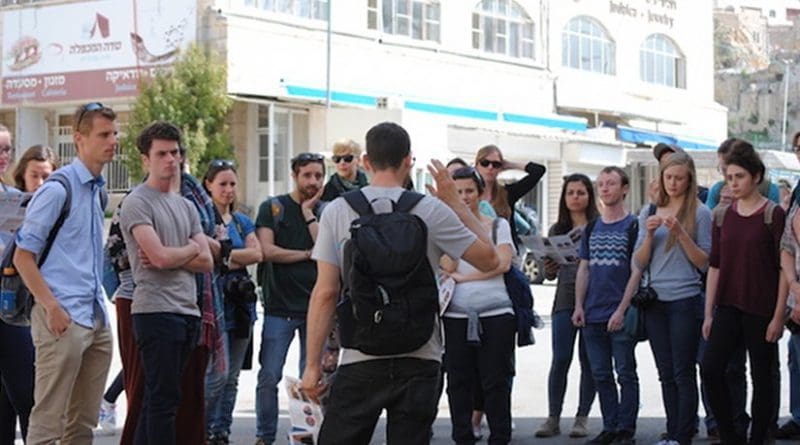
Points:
(542, 79)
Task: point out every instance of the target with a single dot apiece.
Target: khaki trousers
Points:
(71, 373)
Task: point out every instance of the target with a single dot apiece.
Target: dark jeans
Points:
(165, 341)
(731, 328)
(736, 380)
(404, 387)
(563, 345)
(620, 408)
(115, 388)
(492, 360)
(673, 330)
(16, 376)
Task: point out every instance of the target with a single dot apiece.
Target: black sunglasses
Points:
(6, 150)
(91, 106)
(486, 163)
(469, 173)
(304, 159)
(345, 158)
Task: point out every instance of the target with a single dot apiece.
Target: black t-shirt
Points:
(286, 287)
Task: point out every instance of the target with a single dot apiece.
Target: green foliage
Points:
(193, 96)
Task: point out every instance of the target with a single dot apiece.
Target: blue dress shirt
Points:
(73, 269)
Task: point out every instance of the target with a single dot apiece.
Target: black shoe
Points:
(789, 430)
(625, 438)
(604, 438)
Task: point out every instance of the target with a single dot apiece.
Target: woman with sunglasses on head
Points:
(348, 176)
(576, 208)
(672, 249)
(490, 163)
(479, 328)
(241, 249)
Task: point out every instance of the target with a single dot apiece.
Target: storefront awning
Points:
(650, 137)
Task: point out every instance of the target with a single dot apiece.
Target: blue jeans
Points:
(165, 342)
(674, 330)
(221, 389)
(794, 377)
(563, 345)
(620, 408)
(404, 387)
(16, 379)
(276, 336)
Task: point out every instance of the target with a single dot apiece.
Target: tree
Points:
(193, 96)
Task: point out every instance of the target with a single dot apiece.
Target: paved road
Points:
(529, 402)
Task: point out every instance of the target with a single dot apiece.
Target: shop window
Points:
(310, 9)
(417, 19)
(661, 62)
(503, 27)
(586, 46)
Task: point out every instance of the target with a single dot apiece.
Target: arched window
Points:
(311, 9)
(585, 45)
(417, 19)
(661, 62)
(503, 27)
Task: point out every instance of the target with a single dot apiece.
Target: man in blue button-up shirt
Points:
(69, 324)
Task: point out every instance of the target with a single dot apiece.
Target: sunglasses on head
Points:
(91, 106)
(469, 173)
(222, 163)
(486, 163)
(303, 159)
(345, 158)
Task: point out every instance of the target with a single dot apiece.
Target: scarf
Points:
(342, 185)
(208, 291)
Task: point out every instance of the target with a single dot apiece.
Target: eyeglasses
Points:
(486, 163)
(91, 106)
(469, 173)
(304, 159)
(7, 150)
(346, 158)
(222, 163)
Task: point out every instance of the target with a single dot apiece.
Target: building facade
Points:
(574, 85)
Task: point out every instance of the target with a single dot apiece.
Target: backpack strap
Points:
(651, 209)
(61, 179)
(358, 202)
(719, 214)
(408, 200)
(495, 224)
(633, 233)
(768, 213)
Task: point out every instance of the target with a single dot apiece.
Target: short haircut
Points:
(614, 169)
(456, 161)
(344, 146)
(387, 145)
(162, 130)
(470, 173)
(745, 156)
(83, 118)
(303, 159)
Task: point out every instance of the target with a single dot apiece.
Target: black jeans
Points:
(165, 341)
(493, 362)
(405, 387)
(732, 327)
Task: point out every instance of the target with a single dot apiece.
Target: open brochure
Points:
(304, 415)
(12, 210)
(563, 249)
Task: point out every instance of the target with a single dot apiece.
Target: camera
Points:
(240, 289)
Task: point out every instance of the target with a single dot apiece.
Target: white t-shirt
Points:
(446, 235)
(482, 293)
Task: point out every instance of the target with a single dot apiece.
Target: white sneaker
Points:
(107, 419)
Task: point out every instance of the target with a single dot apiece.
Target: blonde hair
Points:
(346, 146)
(499, 195)
(687, 214)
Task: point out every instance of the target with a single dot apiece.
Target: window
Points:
(585, 45)
(661, 62)
(311, 9)
(503, 27)
(418, 19)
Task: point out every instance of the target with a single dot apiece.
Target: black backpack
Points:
(390, 298)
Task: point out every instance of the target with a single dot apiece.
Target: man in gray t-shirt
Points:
(166, 247)
(405, 385)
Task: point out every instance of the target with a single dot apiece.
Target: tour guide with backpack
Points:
(380, 269)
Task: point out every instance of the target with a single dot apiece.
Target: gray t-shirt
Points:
(672, 274)
(175, 221)
(446, 235)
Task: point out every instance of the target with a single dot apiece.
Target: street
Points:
(529, 399)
